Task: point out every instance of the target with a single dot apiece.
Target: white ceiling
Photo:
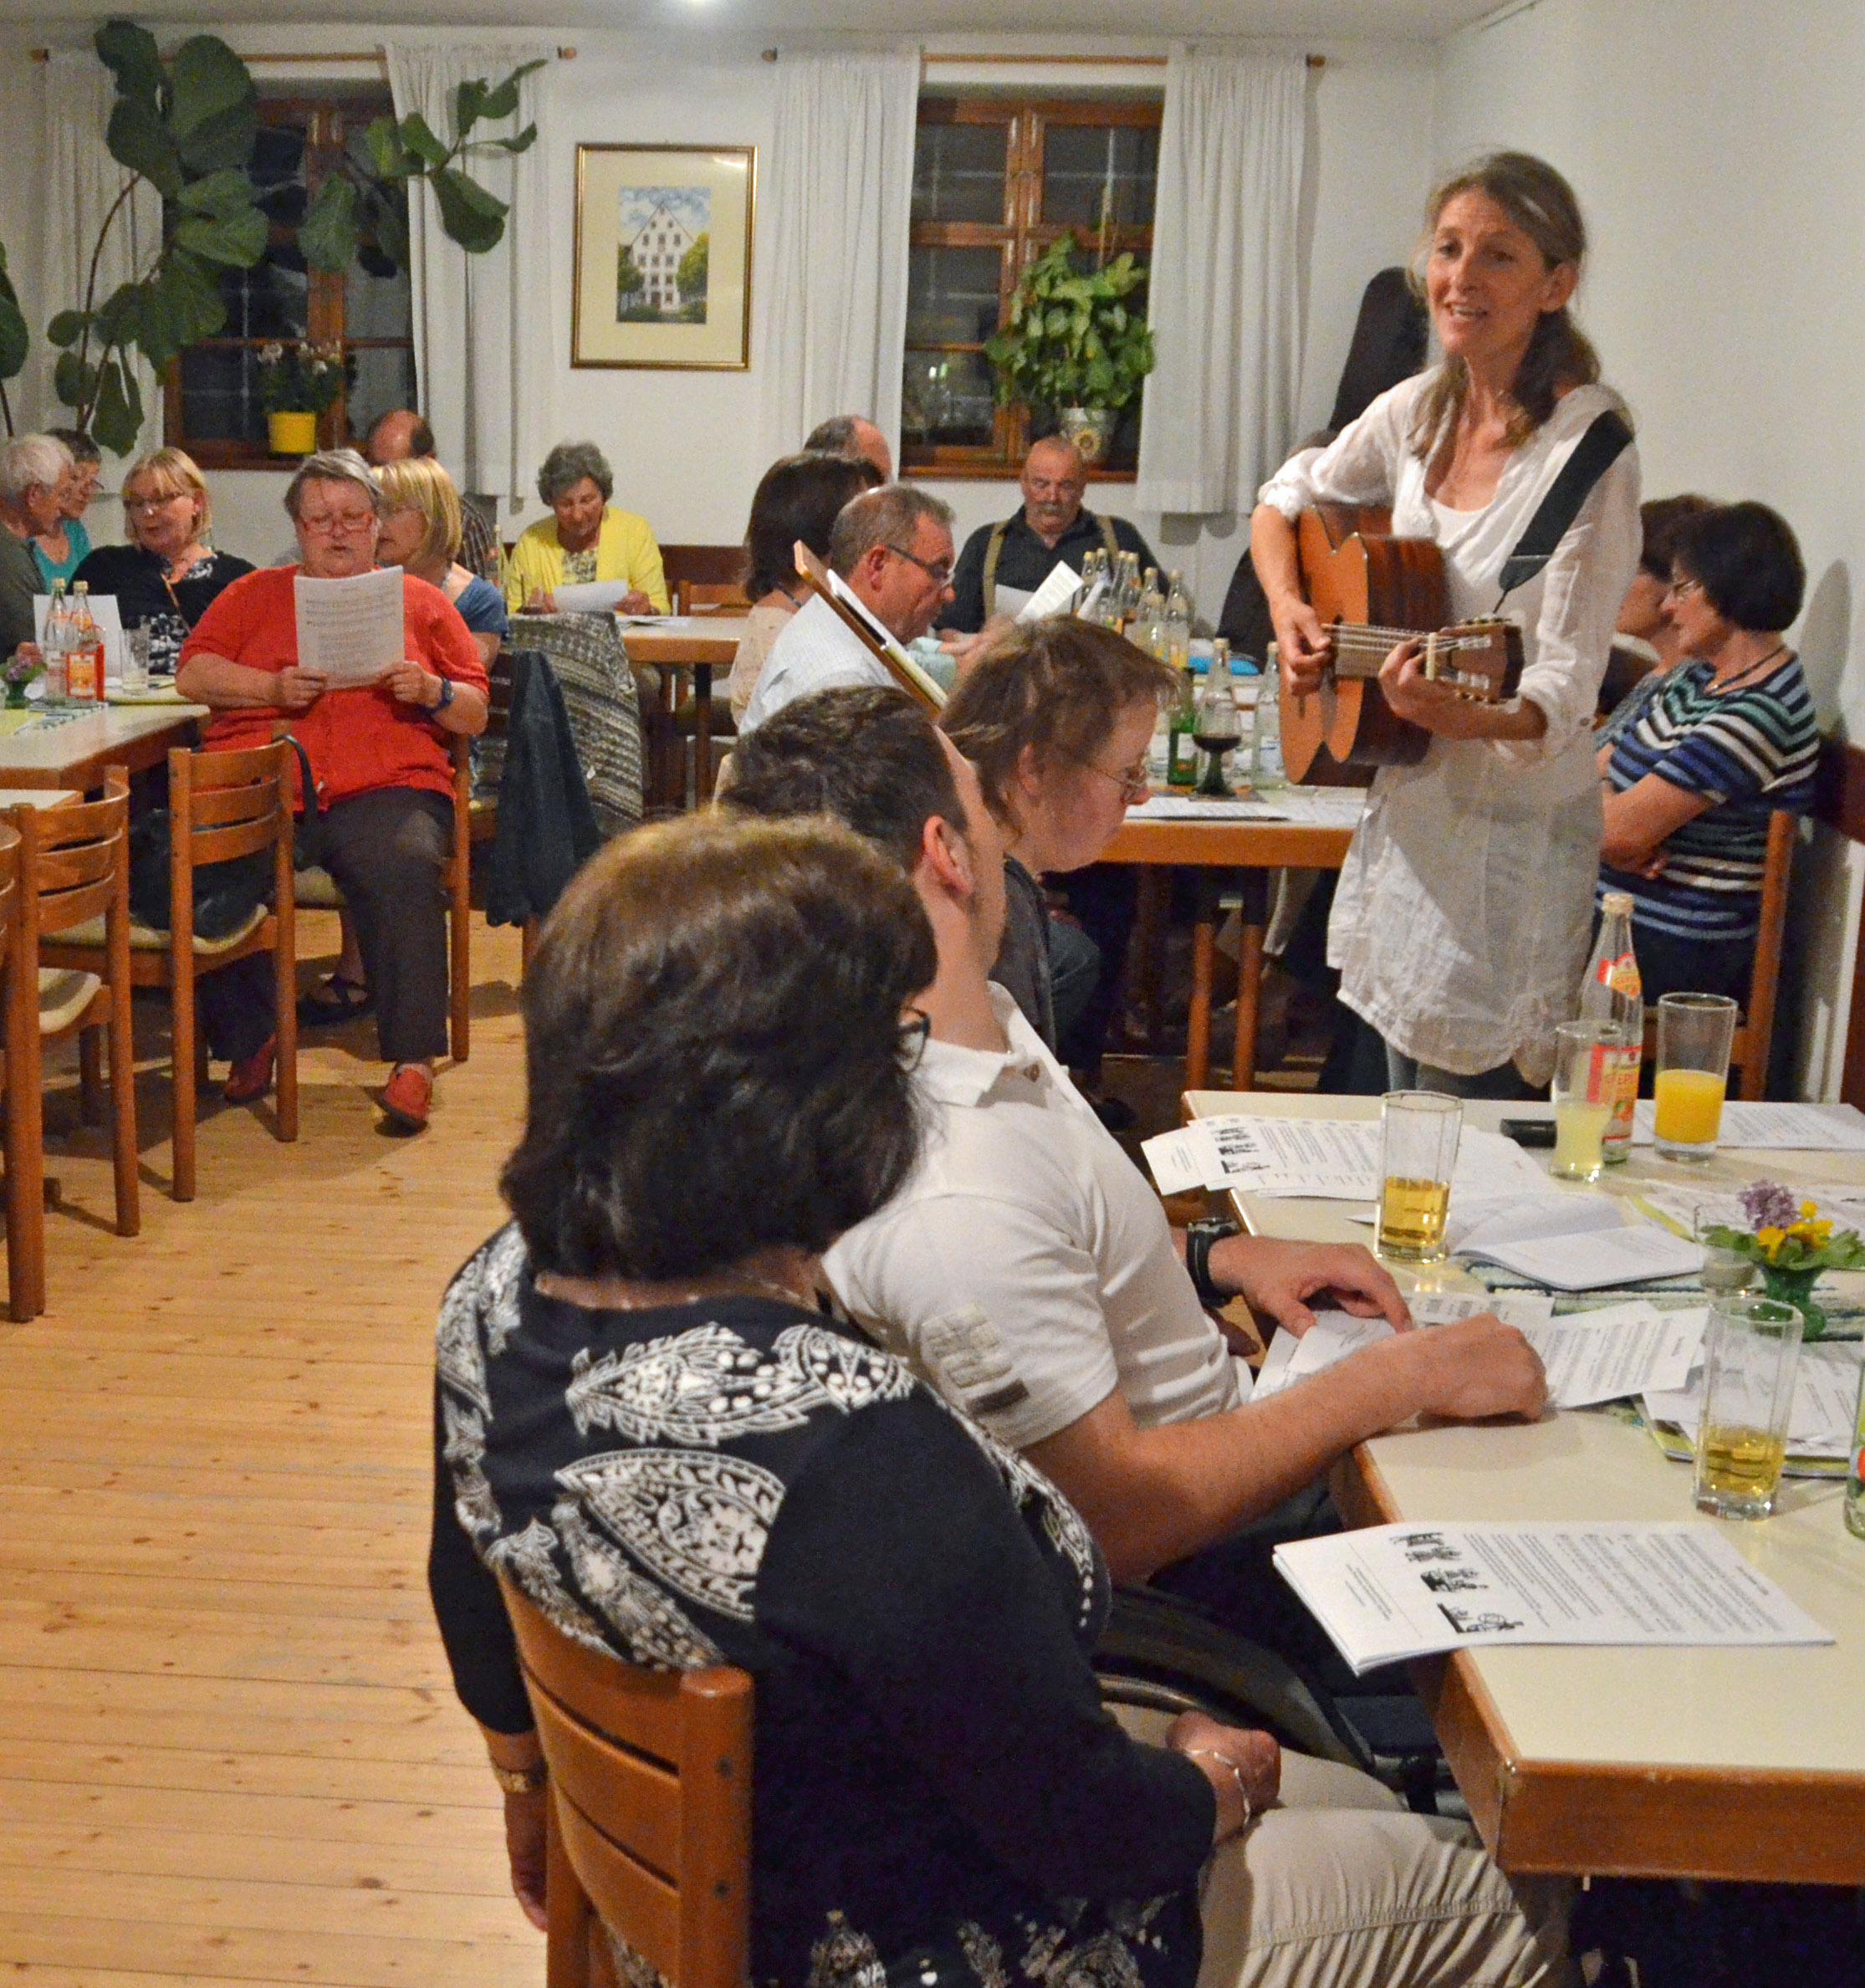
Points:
(1400, 19)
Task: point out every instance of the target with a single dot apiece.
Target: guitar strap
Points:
(1595, 453)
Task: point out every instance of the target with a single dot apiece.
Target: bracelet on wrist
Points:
(1211, 1753)
(521, 1781)
(1200, 1237)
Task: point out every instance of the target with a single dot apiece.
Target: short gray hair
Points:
(332, 466)
(28, 460)
(836, 437)
(888, 516)
(568, 464)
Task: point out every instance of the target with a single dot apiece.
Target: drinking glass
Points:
(1750, 1349)
(1418, 1135)
(1694, 1032)
(1585, 1082)
(135, 680)
(1219, 731)
(1723, 1269)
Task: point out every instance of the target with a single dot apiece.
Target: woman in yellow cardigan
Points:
(584, 540)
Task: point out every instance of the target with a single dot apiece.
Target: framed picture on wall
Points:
(663, 255)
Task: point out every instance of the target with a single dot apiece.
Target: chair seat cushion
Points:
(316, 890)
(63, 994)
(147, 938)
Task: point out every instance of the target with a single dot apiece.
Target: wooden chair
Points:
(1755, 1027)
(74, 865)
(317, 890)
(221, 805)
(650, 1814)
(711, 597)
(483, 807)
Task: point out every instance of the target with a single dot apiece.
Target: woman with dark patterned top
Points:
(644, 1422)
(167, 576)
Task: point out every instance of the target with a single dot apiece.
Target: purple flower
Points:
(1769, 1205)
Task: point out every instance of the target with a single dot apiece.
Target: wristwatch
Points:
(445, 696)
(1199, 1236)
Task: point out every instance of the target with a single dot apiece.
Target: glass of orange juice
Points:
(1694, 1032)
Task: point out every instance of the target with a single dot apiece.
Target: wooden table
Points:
(700, 643)
(1315, 837)
(1744, 1764)
(76, 753)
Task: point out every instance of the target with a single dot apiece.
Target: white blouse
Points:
(1460, 926)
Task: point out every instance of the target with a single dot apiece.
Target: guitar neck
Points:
(1360, 648)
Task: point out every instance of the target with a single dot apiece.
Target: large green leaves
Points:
(130, 54)
(213, 112)
(117, 420)
(139, 137)
(1072, 340)
(328, 233)
(15, 340)
(238, 241)
(474, 218)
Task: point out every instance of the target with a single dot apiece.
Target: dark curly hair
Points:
(713, 1051)
(1058, 685)
(798, 497)
(1748, 563)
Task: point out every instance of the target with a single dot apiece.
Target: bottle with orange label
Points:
(83, 667)
(1612, 996)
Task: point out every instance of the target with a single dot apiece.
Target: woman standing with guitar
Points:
(1460, 925)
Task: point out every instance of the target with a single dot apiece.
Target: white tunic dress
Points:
(1460, 925)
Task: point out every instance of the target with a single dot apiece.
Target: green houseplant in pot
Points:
(297, 383)
(1076, 347)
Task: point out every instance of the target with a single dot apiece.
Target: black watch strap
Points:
(1199, 1237)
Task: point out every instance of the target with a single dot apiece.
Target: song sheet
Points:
(591, 597)
(350, 631)
(1412, 1589)
(1178, 807)
(1606, 1355)
(1840, 1202)
(1056, 596)
(1782, 1128)
(1572, 1242)
(1327, 1159)
(104, 613)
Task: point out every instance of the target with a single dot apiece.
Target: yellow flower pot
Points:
(292, 434)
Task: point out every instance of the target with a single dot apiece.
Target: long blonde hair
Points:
(1542, 205)
(419, 483)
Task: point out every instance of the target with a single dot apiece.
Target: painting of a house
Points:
(663, 240)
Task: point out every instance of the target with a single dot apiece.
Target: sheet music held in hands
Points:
(1415, 1588)
(349, 630)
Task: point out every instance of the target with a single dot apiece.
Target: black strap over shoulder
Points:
(1597, 450)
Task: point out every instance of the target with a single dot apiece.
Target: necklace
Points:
(1750, 669)
(738, 1285)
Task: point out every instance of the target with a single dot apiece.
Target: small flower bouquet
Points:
(27, 662)
(1791, 1245)
(299, 378)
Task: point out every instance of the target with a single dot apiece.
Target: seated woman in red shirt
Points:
(379, 758)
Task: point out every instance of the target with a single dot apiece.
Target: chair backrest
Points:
(650, 1782)
(591, 663)
(711, 597)
(712, 565)
(74, 864)
(9, 883)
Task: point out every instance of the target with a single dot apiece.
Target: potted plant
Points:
(297, 383)
(1791, 1245)
(1074, 347)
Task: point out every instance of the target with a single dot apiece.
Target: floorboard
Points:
(229, 1751)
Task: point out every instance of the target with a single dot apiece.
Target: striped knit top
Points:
(1748, 751)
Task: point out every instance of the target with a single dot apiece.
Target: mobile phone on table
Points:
(1529, 1132)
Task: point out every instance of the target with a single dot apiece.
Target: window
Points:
(995, 182)
(212, 403)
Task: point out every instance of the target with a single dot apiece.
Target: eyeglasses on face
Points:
(914, 1035)
(136, 504)
(350, 524)
(1683, 586)
(1133, 781)
(939, 571)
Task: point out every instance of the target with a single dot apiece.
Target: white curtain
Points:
(482, 331)
(82, 183)
(1225, 308)
(832, 272)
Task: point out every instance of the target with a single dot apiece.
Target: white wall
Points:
(1719, 154)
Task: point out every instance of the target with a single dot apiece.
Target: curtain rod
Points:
(374, 55)
(1142, 62)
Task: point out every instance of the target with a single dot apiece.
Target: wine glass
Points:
(1218, 731)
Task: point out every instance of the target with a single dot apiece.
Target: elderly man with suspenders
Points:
(1003, 565)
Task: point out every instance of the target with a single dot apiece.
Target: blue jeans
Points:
(1504, 1082)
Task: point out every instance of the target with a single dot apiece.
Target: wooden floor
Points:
(229, 1749)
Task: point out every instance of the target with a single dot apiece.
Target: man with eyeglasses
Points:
(1003, 565)
(893, 548)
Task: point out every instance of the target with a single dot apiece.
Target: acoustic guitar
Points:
(1372, 591)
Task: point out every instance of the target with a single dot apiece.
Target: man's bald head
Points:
(398, 436)
(1053, 481)
(855, 437)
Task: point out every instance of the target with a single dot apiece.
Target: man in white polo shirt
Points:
(1029, 1270)
(893, 547)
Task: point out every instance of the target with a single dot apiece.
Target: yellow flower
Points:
(1809, 1209)
(1771, 1240)
(1815, 1232)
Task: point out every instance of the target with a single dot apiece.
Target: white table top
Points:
(47, 748)
(36, 797)
(1732, 1713)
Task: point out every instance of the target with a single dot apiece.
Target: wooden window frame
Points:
(1021, 236)
(328, 122)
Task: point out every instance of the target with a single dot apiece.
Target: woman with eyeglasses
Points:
(1728, 736)
(379, 754)
(1057, 717)
(169, 574)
